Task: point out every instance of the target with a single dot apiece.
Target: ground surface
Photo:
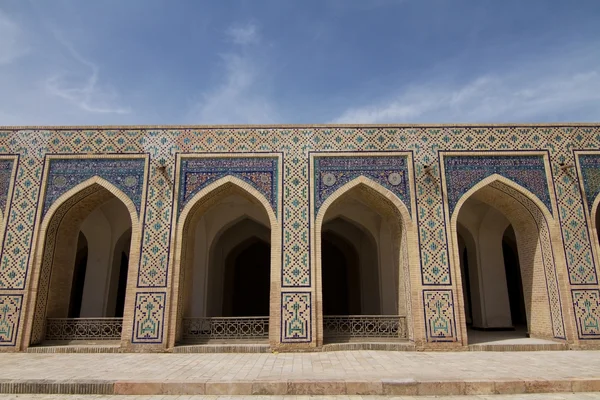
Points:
(568, 396)
(345, 365)
(327, 373)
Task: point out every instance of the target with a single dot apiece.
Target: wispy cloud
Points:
(81, 87)
(244, 34)
(527, 94)
(240, 97)
(12, 45)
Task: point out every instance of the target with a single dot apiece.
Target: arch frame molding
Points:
(550, 239)
(66, 201)
(408, 231)
(198, 204)
(586, 299)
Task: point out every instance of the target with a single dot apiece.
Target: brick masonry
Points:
(550, 172)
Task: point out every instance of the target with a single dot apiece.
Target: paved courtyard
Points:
(344, 372)
(543, 396)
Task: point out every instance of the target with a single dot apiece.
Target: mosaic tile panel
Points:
(439, 315)
(586, 304)
(464, 172)
(6, 170)
(66, 173)
(39, 319)
(149, 316)
(154, 259)
(14, 260)
(590, 172)
(545, 242)
(296, 312)
(197, 173)
(10, 312)
(435, 269)
(296, 247)
(332, 172)
(571, 212)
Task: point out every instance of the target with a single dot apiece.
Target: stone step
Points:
(223, 348)
(519, 347)
(301, 387)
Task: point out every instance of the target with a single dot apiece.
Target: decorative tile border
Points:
(127, 174)
(10, 314)
(439, 315)
(332, 172)
(465, 171)
(586, 304)
(149, 317)
(296, 314)
(197, 173)
(589, 165)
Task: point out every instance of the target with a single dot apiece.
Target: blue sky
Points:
(67, 62)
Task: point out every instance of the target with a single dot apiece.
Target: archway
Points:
(80, 292)
(363, 269)
(504, 251)
(226, 265)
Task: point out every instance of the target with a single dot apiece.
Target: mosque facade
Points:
(295, 237)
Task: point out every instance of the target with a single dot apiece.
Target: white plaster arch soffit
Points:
(497, 178)
(407, 220)
(196, 201)
(95, 180)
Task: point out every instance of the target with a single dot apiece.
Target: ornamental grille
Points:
(198, 329)
(371, 326)
(84, 328)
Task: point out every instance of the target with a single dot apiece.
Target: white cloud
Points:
(12, 45)
(81, 87)
(238, 99)
(544, 89)
(244, 34)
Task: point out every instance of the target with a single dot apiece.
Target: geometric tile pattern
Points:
(439, 315)
(464, 172)
(571, 211)
(295, 143)
(197, 173)
(6, 172)
(295, 317)
(545, 243)
(125, 174)
(586, 303)
(14, 260)
(52, 230)
(149, 316)
(10, 311)
(590, 172)
(332, 172)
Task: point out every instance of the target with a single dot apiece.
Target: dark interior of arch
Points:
(247, 279)
(340, 276)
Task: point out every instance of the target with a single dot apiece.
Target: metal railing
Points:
(83, 328)
(225, 328)
(367, 326)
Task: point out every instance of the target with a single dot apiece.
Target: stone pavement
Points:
(330, 373)
(538, 396)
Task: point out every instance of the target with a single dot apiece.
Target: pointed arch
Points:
(508, 182)
(197, 206)
(95, 180)
(531, 219)
(363, 180)
(406, 254)
(75, 204)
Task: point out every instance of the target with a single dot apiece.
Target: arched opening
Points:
(363, 268)
(83, 269)
(226, 269)
(502, 265)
